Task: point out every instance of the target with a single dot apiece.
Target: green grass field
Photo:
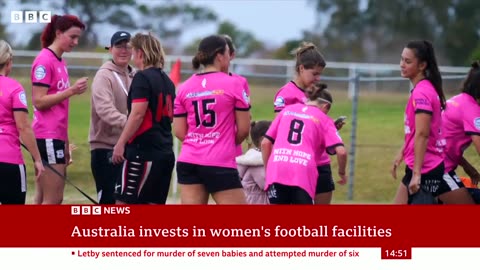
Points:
(379, 137)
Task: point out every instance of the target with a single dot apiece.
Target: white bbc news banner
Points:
(235, 258)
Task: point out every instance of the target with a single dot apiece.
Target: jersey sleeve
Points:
(179, 109)
(272, 131)
(140, 89)
(42, 73)
(332, 137)
(471, 120)
(422, 103)
(19, 100)
(242, 97)
(247, 90)
(279, 101)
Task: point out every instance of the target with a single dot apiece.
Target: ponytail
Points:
(425, 53)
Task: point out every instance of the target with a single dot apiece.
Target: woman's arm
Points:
(135, 119)
(42, 101)
(242, 119)
(180, 127)
(398, 160)
(342, 163)
(470, 170)
(422, 132)
(266, 147)
(28, 138)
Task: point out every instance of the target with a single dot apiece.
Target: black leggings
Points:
(105, 174)
(283, 194)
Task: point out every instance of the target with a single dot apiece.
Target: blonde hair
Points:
(151, 48)
(6, 53)
(308, 56)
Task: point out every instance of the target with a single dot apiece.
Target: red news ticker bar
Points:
(245, 226)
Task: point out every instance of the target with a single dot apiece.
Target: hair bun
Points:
(252, 124)
(476, 64)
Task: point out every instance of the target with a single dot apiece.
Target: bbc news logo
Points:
(77, 210)
(86, 210)
(30, 16)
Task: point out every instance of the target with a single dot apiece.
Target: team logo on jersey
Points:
(245, 96)
(60, 154)
(476, 122)
(204, 82)
(23, 98)
(40, 72)
(279, 102)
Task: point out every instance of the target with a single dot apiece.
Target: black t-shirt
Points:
(152, 85)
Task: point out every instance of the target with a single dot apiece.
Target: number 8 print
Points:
(295, 132)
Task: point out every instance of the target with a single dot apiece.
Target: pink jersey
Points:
(289, 94)
(209, 101)
(460, 120)
(298, 137)
(12, 98)
(50, 71)
(244, 82)
(424, 99)
(332, 140)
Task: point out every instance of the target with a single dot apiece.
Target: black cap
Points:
(117, 37)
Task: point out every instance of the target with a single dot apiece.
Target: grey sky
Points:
(273, 21)
(269, 20)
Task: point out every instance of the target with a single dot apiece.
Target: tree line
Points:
(345, 30)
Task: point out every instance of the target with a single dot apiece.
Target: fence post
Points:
(355, 83)
(176, 147)
(352, 73)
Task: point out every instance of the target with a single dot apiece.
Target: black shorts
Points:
(435, 182)
(325, 181)
(13, 183)
(52, 150)
(145, 181)
(283, 194)
(214, 178)
(452, 181)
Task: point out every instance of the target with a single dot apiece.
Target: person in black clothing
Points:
(146, 144)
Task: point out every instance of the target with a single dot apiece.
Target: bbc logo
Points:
(86, 210)
(30, 16)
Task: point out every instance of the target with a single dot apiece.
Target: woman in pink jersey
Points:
(51, 91)
(14, 125)
(291, 148)
(334, 145)
(232, 49)
(423, 147)
(309, 65)
(461, 127)
(211, 117)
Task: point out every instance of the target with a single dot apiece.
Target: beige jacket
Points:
(252, 172)
(109, 105)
